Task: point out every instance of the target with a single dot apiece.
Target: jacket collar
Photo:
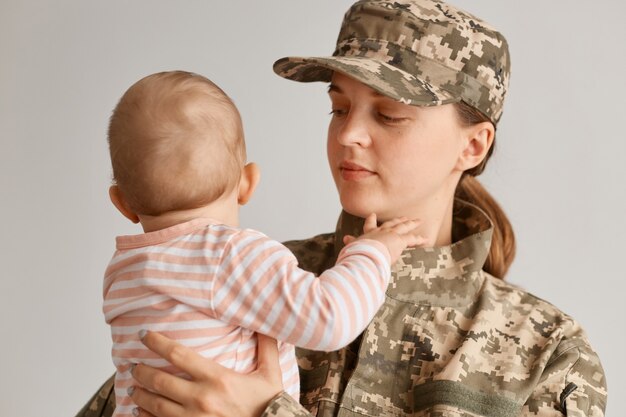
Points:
(446, 275)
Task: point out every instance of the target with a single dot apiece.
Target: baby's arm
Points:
(265, 291)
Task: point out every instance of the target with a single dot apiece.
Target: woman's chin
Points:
(360, 208)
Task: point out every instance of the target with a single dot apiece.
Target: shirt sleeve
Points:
(260, 287)
(573, 383)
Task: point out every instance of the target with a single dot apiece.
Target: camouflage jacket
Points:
(450, 340)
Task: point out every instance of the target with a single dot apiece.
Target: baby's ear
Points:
(250, 176)
(121, 204)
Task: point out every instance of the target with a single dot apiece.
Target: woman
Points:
(417, 88)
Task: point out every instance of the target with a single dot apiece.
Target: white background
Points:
(558, 170)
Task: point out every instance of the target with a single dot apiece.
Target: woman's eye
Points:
(389, 119)
(337, 112)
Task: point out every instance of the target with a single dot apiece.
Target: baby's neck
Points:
(223, 210)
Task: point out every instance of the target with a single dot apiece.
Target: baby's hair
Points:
(176, 142)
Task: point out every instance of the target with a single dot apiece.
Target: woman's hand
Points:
(213, 389)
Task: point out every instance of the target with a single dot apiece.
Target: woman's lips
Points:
(354, 172)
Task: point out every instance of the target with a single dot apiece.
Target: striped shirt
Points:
(211, 287)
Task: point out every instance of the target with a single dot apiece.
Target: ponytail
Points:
(502, 251)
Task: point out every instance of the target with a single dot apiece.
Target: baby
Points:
(179, 167)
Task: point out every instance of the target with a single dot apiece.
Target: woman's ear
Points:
(121, 204)
(478, 140)
(250, 176)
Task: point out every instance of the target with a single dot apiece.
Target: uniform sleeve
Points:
(284, 405)
(102, 404)
(261, 288)
(573, 384)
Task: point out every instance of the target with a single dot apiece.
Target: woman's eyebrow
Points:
(333, 88)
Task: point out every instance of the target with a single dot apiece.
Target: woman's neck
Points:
(438, 231)
(436, 215)
(436, 221)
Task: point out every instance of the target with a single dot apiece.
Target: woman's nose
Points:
(353, 131)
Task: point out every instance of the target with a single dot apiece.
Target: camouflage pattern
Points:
(420, 52)
(102, 403)
(450, 340)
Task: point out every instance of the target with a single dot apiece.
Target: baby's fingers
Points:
(390, 224)
(347, 239)
(370, 223)
(406, 226)
(415, 240)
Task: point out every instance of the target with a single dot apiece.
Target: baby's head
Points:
(176, 143)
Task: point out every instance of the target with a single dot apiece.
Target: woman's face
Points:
(391, 158)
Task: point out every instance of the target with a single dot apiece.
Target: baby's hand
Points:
(395, 234)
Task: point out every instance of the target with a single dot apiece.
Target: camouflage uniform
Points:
(450, 340)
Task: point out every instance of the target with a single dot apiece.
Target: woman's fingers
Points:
(142, 413)
(268, 358)
(184, 358)
(163, 383)
(213, 389)
(151, 404)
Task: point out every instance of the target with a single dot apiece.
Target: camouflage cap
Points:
(420, 52)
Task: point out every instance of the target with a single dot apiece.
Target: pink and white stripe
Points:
(212, 286)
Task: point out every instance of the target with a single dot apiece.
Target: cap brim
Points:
(380, 76)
